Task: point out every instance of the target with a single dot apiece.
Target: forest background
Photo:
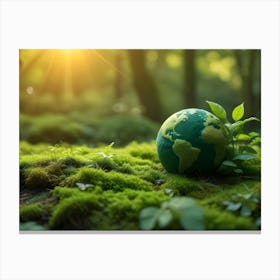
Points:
(102, 96)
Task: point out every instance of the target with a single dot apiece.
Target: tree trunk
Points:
(26, 67)
(118, 85)
(246, 71)
(145, 85)
(189, 79)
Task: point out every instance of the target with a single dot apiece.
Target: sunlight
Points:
(68, 52)
(174, 60)
(67, 71)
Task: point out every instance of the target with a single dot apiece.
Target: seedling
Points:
(241, 146)
(83, 187)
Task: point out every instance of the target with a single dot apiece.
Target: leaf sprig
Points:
(184, 209)
(241, 146)
(246, 205)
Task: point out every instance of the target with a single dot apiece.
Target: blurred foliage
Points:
(81, 129)
(96, 85)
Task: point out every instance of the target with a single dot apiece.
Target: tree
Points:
(145, 85)
(118, 83)
(246, 62)
(189, 79)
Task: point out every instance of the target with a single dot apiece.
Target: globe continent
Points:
(191, 141)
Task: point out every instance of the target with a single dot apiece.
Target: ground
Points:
(71, 187)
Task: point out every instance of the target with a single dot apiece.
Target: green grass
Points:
(119, 183)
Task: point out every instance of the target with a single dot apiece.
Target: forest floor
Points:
(68, 187)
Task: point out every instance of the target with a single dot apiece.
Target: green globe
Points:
(191, 141)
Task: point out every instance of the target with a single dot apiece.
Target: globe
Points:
(191, 141)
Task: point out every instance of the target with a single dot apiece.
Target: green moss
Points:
(62, 192)
(31, 212)
(73, 213)
(184, 186)
(143, 150)
(218, 220)
(45, 177)
(37, 178)
(101, 210)
(125, 180)
(226, 192)
(107, 180)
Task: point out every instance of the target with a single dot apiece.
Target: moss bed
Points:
(67, 187)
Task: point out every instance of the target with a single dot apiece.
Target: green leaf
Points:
(244, 157)
(255, 141)
(226, 203)
(250, 120)
(165, 217)
(254, 199)
(218, 110)
(238, 171)
(248, 149)
(253, 134)
(169, 192)
(229, 163)
(180, 203)
(148, 217)
(236, 127)
(193, 218)
(247, 195)
(238, 112)
(245, 211)
(31, 226)
(258, 222)
(243, 137)
(234, 206)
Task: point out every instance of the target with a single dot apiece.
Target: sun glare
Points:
(66, 71)
(69, 52)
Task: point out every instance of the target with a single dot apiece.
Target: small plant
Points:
(246, 205)
(241, 146)
(184, 209)
(83, 187)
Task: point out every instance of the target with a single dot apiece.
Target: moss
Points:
(101, 210)
(107, 180)
(226, 192)
(143, 150)
(62, 192)
(73, 213)
(125, 180)
(218, 220)
(37, 178)
(184, 186)
(31, 212)
(71, 161)
(43, 177)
